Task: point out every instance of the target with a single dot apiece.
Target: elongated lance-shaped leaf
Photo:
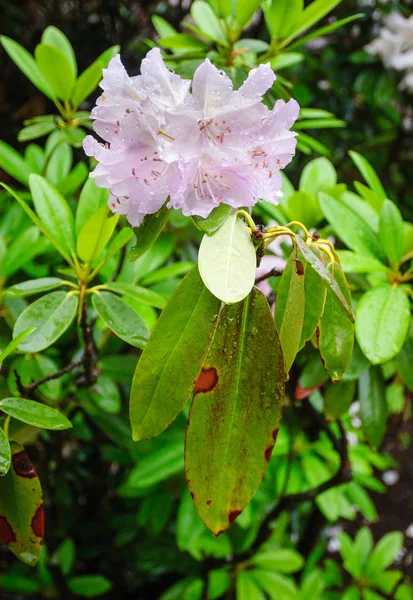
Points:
(329, 281)
(5, 453)
(21, 508)
(289, 310)
(315, 297)
(173, 357)
(236, 412)
(149, 231)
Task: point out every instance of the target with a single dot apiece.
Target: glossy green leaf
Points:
(180, 337)
(91, 199)
(247, 587)
(32, 132)
(301, 206)
(338, 398)
(383, 318)
(391, 232)
(352, 262)
(315, 297)
(162, 26)
(34, 413)
(236, 412)
(373, 407)
(22, 249)
(141, 294)
(313, 13)
(59, 163)
(385, 553)
(54, 213)
(318, 175)
(95, 234)
(56, 70)
(182, 41)
(34, 286)
(13, 163)
(244, 11)
(87, 82)
(370, 176)
(322, 31)
(316, 264)
(227, 261)
(349, 226)
(215, 220)
(21, 508)
(89, 586)
(289, 308)
(11, 347)
(282, 15)
(336, 332)
(148, 232)
(26, 63)
(121, 318)
(54, 37)
(204, 17)
(51, 315)
(5, 453)
(285, 60)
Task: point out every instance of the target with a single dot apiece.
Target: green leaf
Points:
(285, 60)
(236, 412)
(19, 584)
(359, 497)
(91, 199)
(215, 220)
(26, 63)
(21, 508)
(65, 556)
(336, 335)
(247, 587)
(338, 398)
(322, 31)
(227, 261)
(315, 263)
(281, 16)
(370, 176)
(34, 413)
(59, 162)
(385, 553)
(283, 560)
(313, 584)
(89, 586)
(182, 41)
(69, 185)
(301, 206)
(204, 17)
(289, 309)
(172, 270)
(313, 13)
(404, 592)
(35, 131)
(12, 162)
(180, 337)
(275, 585)
(5, 453)
(141, 294)
(14, 343)
(352, 262)
(404, 362)
(54, 213)
(95, 235)
(373, 407)
(87, 83)
(51, 315)
(54, 37)
(163, 28)
(121, 319)
(106, 394)
(349, 226)
(315, 297)
(244, 11)
(148, 232)
(383, 318)
(386, 581)
(56, 69)
(391, 232)
(34, 286)
(160, 465)
(317, 176)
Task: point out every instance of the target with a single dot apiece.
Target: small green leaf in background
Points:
(51, 315)
(282, 15)
(289, 309)
(244, 11)
(87, 83)
(180, 337)
(227, 261)
(89, 586)
(21, 508)
(148, 232)
(59, 163)
(373, 407)
(351, 262)
(338, 398)
(370, 176)
(141, 294)
(383, 318)
(385, 553)
(283, 560)
(5, 453)
(215, 220)
(318, 175)
(248, 588)
(204, 17)
(54, 37)
(236, 412)
(56, 70)
(11, 347)
(336, 334)
(34, 286)
(391, 232)
(121, 318)
(34, 413)
(164, 463)
(95, 234)
(315, 297)
(13, 163)
(91, 199)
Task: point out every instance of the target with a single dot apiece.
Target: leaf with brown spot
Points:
(21, 508)
(231, 426)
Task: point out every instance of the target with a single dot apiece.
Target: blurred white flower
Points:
(394, 45)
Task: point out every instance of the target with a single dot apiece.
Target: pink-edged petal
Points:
(258, 82)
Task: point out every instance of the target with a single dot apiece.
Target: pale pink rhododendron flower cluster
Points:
(200, 143)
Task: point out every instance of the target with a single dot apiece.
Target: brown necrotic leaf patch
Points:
(38, 522)
(299, 268)
(22, 465)
(233, 514)
(207, 380)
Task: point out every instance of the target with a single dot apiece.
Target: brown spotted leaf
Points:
(236, 412)
(21, 508)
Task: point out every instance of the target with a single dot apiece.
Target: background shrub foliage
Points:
(77, 312)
